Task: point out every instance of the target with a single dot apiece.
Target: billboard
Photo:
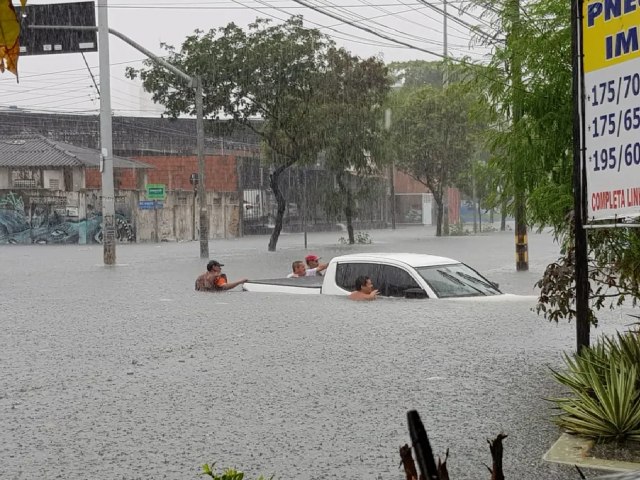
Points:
(611, 64)
(45, 42)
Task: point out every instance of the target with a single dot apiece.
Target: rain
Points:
(221, 143)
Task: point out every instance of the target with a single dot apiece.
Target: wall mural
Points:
(27, 219)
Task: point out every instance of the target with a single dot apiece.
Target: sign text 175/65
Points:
(608, 124)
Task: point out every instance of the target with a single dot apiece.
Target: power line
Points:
(368, 30)
(361, 19)
(364, 41)
(458, 20)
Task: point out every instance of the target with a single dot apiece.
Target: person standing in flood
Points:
(213, 280)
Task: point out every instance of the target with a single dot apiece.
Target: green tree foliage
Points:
(535, 153)
(540, 149)
(417, 73)
(356, 91)
(432, 135)
(614, 275)
(287, 83)
(269, 72)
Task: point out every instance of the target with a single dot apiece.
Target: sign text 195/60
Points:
(612, 158)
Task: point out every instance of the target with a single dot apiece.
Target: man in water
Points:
(213, 280)
(313, 262)
(301, 270)
(364, 289)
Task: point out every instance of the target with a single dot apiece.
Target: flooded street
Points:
(127, 373)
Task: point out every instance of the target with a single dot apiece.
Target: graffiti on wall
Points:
(27, 219)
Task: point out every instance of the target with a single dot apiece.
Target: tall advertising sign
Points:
(611, 64)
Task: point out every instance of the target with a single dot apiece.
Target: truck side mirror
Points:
(415, 293)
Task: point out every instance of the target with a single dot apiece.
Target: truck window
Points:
(346, 274)
(389, 280)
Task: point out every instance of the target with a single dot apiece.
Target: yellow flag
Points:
(9, 36)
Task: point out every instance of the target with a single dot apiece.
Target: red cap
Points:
(311, 258)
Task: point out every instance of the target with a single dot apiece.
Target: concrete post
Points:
(106, 146)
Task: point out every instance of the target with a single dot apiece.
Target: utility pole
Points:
(445, 84)
(202, 194)
(522, 242)
(106, 142)
(108, 209)
(583, 325)
(392, 181)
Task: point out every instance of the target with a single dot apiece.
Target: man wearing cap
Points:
(313, 263)
(301, 270)
(213, 280)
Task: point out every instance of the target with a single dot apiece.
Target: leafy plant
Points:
(605, 388)
(362, 238)
(458, 230)
(228, 474)
(614, 274)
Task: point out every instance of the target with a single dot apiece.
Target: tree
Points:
(270, 72)
(431, 134)
(354, 132)
(534, 153)
(417, 73)
(541, 144)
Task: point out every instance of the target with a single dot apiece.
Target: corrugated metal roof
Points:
(91, 158)
(36, 151)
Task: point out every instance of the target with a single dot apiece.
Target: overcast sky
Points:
(62, 82)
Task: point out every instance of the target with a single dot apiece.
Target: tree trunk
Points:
(274, 182)
(445, 210)
(439, 214)
(345, 190)
(503, 216)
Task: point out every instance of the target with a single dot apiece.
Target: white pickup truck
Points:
(409, 275)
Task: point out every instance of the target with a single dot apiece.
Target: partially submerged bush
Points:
(605, 388)
(228, 474)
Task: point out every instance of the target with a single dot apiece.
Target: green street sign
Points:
(156, 191)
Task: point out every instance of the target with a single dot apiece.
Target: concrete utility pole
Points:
(522, 243)
(106, 143)
(202, 193)
(445, 83)
(105, 127)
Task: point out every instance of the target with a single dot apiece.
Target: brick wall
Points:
(403, 183)
(174, 172)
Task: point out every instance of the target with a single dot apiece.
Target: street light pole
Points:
(105, 127)
(106, 143)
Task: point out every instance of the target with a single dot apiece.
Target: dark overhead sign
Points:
(45, 42)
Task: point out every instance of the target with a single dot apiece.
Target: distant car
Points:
(409, 275)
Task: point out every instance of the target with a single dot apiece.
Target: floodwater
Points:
(127, 373)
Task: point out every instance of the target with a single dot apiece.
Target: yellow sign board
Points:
(611, 64)
(611, 32)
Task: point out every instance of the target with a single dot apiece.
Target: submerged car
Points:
(409, 275)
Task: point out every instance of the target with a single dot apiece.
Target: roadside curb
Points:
(574, 450)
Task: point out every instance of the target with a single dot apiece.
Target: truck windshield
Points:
(457, 280)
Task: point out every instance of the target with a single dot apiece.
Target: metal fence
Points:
(313, 199)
